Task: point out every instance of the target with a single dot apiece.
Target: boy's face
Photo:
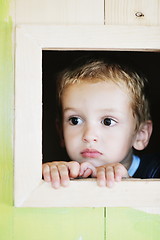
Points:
(98, 123)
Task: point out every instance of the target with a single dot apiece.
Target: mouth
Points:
(91, 153)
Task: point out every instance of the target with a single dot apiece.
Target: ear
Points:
(143, 135)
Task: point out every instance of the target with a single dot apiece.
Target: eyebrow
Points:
(69, 109)
(104, 110)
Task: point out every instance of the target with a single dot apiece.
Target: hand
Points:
(86, 170)
(110, 173)
(60, 172)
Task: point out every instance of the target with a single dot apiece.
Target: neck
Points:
(126, 162)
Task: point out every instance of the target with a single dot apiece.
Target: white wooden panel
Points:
(28, 117)
(29, 187)
(96, 37)
(60, 12)
(86, 193)
(120, 12)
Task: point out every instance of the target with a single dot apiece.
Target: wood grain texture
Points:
(28, 116)
(6, 122)
(60, 12)
(31, 40)
(132, 12)
(6, 105)
(103, 37)
(51, 223)
(127, 193)
(138, 225)
(59, 223)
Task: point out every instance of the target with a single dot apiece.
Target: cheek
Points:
(66, 135)
(70, 136)
(119, 139)
(71, 144)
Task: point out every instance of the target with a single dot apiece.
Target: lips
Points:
(91, 153)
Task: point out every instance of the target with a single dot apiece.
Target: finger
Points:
(118, 173)
(63, 174)
(110, 176)
(55, 176)
(101, 176)
(46, 172)
(87, 169)
(74, 168)
(83, 168)
(86, 173)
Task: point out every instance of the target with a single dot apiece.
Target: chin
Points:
(94, 162)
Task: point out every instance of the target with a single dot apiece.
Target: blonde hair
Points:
(100, 70)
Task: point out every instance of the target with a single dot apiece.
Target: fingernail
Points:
(48, 179)
(101, 183)
(65, 183)
(118, 178)
(55, 185)
(110, 184)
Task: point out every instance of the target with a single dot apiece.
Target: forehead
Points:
(97, 94)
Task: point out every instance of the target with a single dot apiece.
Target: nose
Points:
(89, 134)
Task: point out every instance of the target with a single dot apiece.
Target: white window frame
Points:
(29, 188)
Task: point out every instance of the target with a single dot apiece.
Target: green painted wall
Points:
(131, 224)
(52, 223)
(6, 122)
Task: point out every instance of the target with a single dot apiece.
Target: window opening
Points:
(56, 61)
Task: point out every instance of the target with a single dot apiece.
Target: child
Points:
(104, 115)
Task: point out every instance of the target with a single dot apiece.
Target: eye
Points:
(108, 122)
(75, 120)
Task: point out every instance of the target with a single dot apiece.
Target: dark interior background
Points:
(55, 61)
